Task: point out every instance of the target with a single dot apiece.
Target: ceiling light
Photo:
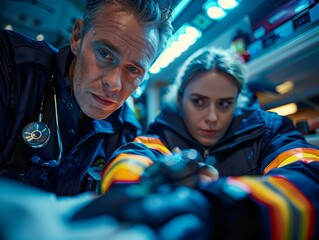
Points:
(227, 4)
(213, 10)
(216, 12)
(179, 8)
(182, 39)
(285, 110)
(285, 87)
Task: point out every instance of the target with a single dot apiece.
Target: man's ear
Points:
(76, 37)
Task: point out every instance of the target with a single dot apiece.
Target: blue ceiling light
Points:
(227, 4)
(303, 4)
(216, 12)
(218, 9)
(188, 34)
(213, 10)
(182, 39)
(179, 8)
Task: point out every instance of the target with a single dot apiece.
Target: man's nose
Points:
(112, 79)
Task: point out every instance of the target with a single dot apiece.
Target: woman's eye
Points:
(225, 104)
(197, 102)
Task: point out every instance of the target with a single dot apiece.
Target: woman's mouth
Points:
(207, 132)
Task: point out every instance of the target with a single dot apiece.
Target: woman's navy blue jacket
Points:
(26, 66)
(261, 154)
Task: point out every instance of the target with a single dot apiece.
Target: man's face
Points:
(111, 60)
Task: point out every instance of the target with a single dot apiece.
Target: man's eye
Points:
(133, 70)
(104, 54)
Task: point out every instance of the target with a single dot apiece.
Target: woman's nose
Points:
(212, 114)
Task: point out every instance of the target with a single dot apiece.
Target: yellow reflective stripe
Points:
(303, 205)
(298, 157)
(153, 143)
(278, 208)
(293, 155)
(124, 168)
(121, 173)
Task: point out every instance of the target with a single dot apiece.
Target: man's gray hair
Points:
(151, 12)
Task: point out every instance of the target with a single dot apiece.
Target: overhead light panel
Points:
(179, 8)
(227, 4)
(285, 110)
(285, 87)
(181, 40)
(215, 12)
(218, 9)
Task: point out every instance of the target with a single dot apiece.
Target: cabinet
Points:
(295, 59)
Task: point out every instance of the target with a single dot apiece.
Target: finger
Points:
(208, 174)
(157, 209)
(183, 227)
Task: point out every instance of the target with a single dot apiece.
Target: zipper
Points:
(206, 153)
(84, 139)
(74, 148)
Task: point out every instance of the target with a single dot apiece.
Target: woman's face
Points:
(207, 106)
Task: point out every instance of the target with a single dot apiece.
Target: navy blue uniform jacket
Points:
(26, 66)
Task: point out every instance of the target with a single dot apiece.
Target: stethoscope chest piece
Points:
(36, 134)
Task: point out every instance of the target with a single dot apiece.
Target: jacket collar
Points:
(245, 120)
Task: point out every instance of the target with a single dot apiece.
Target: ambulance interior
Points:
(279, 40)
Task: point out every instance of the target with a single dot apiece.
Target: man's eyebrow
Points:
(108, 45)
(115, 49)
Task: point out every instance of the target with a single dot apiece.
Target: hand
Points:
(182, 168)
(29, 213)
(179, 214)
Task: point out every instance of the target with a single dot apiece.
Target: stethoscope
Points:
(37, 134)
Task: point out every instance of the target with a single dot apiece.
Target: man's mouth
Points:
(102, 100)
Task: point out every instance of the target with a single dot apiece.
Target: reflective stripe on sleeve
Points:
(153, 143)
(286, 206)
(124, 168)
(297, 154)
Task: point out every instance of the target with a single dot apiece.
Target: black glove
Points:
(170, 200)
(182, 213)
(162, 200)
(182, 168)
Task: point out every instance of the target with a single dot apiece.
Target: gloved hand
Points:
(182, 213)
(165, 198)
(182, 168)
(169, 201)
